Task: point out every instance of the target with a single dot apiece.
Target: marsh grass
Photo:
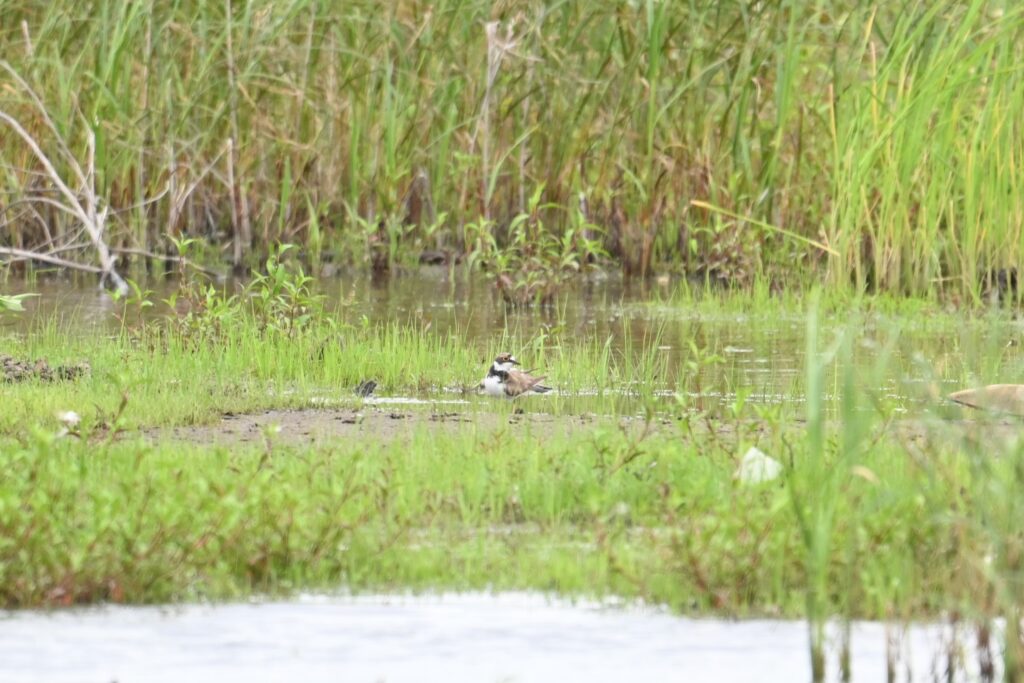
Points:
(660, 517)
(600, 511)
(207, 349)
(884, 133)
(868, 520)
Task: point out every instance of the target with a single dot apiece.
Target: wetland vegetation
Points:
(890, 505)
(866, 145)
(720, 229)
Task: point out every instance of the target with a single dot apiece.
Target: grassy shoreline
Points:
(144, 520)
(888, 525)
(629, 487)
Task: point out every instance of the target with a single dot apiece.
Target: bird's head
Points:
(505, 362)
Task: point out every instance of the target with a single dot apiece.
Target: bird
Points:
(366, 388)
(503, 380)
(999, 398)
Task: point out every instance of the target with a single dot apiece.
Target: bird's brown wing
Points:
(521, 382)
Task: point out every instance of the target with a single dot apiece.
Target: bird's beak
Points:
(513, 361)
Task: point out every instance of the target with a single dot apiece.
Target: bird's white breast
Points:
(493, 386)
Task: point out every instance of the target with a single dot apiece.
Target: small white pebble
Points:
(69, 418)
(756, 467)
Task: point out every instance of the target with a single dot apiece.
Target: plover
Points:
(505, 381)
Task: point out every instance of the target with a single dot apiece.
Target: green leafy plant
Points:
(536, 263)
(282, 299)
(14, 302)
(135, 298)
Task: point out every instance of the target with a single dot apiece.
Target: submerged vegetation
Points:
(873, 146)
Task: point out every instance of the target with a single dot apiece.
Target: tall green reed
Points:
(925, 149)
(819, 480)
(342, 122)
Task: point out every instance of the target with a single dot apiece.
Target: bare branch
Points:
(91, 216)
(23, 255)
(61, 145)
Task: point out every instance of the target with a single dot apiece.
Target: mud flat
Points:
(320, 427)
(385, 423)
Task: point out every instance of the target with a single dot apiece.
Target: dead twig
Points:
(24, 255)
(85, 204)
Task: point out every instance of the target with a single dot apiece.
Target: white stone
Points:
(69, 418)
(756, 467)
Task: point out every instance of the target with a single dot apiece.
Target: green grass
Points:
(884, 133)
(234, 355)
(885, 509)
(662, 519)
(173, 380)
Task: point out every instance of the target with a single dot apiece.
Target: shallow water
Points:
(466, 637)
(759, 354)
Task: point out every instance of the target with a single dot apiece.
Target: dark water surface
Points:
(468, 637)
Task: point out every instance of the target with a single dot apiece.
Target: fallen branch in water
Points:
(24, 255)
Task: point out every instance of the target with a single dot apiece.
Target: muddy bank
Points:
(318, 426)
(384, 424)
(18, 370)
